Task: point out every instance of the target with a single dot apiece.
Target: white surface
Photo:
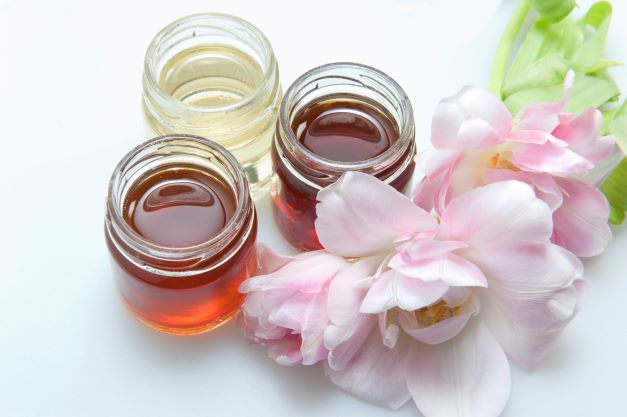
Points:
(69, 110)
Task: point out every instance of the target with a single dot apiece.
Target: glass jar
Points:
(215, 76)
(181, 289)
(300, 173)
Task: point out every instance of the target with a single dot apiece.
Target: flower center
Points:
(500, 161)
(494, 160)
(435, 313)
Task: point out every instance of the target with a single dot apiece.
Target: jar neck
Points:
(173, 150)
(357, 83)
(213, 47)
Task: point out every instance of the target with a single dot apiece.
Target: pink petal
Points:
(314, 322)
(390, 332)
(269, 261)
(481, 104)
(536, 137)
(344, 343)
(459, 174)
(580, 223)
(307, 272)
(289, 313)
(424, 248)
(546, 110)
(603, 168)
(477, 133)
(583, 135)
(393, 289)
(526, 271)
(533, 121)
(542, 114)
(439, 332)
(472, 118)
(544, 185)
(345, 293)
(255, 321)
(467, 376)
(467, 172)
(434, 164)
(360, 215)
(286, 351)
(455, 296)
(525, 276)
(526, 345)
(447, 118)
(466, 175)
(532, 295)
(551, 159)
(412, 293)
(348, 328)
(451, 269)
(503, 211)
(376, 373)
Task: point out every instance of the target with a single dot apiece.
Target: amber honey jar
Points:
(336, 118)
(181, 230)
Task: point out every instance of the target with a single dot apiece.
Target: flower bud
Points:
(553, 10)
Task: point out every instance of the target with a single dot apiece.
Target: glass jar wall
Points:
(215, 76)
(181, 230)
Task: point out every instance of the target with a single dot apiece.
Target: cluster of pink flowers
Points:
(477, 142)
(427, 299)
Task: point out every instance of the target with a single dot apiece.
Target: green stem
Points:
(503, 51)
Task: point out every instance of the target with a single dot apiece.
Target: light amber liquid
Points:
(210, 78)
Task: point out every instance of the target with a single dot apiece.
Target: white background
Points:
(70, 109)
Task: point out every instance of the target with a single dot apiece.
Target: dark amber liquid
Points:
(182, 206)
(179, 207)
(344, 131)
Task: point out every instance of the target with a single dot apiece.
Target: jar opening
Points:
(179, 205)
(345, 130)
(179, 152)
(350, 82)
(209, 63)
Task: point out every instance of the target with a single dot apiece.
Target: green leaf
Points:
(572, 36)
(541, 39)
(545, 72)
(592, 51)
(617, 216)
(622, 110)
(592, 91)
(609, 114)
(618, 127)
(615, 189)
(550, 49)
(553, 10)
(588, 91)
(615, 186)
(517, 101)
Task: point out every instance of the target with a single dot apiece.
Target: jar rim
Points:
(212, 245)
(405, 130)
(216, 20)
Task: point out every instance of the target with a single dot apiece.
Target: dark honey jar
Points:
(336, 118)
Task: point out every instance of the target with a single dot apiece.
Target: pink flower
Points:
(286, 307)
(424, 309)
(477, 142)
